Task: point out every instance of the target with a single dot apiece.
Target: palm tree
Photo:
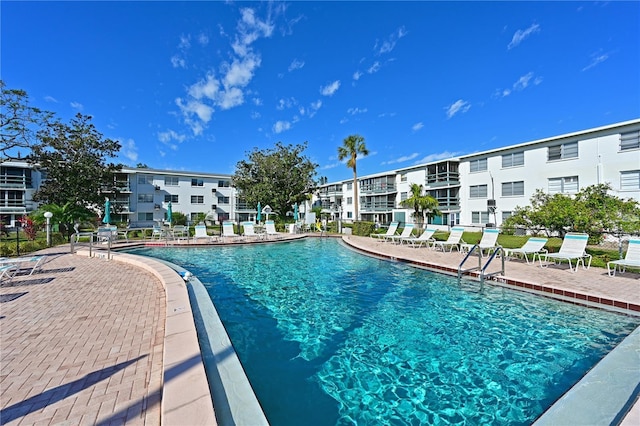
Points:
(421, 204)
(353, 146)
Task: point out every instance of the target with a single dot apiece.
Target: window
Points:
(564, 185)
(630, 140)
(145, 179)
(478, 191)
(479, 165)
(630, 180)
(145, 198)
(197, 182)
(170, 198)
(403, 177)
(403, 196)
(349, 186)
(349, 200)
(195, 216)
(506, 215)
(197, 199)
(224, 183)
(512, 189)
(563, 152)
(145, 216)
(479, 217)
(171, 180)
(224, 200)
(349, 215)
(513, 159)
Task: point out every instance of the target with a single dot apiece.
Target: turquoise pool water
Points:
(328, 336)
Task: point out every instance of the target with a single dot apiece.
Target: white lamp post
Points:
(48, 215)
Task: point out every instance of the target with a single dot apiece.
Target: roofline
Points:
(183, 173)
(555, 138)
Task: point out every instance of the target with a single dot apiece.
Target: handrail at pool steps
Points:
(96, 239)
(482, 269)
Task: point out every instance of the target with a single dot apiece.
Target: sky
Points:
(196, 86)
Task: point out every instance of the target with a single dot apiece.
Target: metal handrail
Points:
(480, 267)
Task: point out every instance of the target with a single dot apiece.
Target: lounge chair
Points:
(8, 271)
(632, 258)
(23, 262)
(454, 240)
(425, 238)
(406, 233)
(250, 231)
(180, 231)
(157, 232)
(393, 228)
(201, 232)
(229, 232)
(487, 242)
(533, 246)
(572, 248)
(270, 229)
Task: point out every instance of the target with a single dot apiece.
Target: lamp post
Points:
(48, 216)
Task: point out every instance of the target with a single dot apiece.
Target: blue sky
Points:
(196, 85)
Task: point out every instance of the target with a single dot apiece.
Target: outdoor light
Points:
(48, 215)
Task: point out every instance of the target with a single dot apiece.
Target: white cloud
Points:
(77, 105)
(522, 83)
(596, 59)
(207, 88)
(240, 72)
(128, 149)
(389, 44)
(458, 106)
(256, 101)
(354, 111)
(295, 65)
(169, 135)
(330, 88)
(402, 159)
(50, 99)
(203, 39)
(178, 62)
(374, 68)
(357, 75)
(286, 103)
(435, 157)
(522, 35)
(417, 126)
(185, 42)
(231, 98)
(281, 126)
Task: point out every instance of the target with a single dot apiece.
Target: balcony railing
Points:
(7, 181)
(378, 188)
(377, 206)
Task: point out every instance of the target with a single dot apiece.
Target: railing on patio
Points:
(480, 267)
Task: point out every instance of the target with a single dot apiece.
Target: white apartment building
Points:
(480, 189)
(484, 188)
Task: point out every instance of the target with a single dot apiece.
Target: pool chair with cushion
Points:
(201, 233)
(250, 231)
(632, 259)
(393, 228)
(31, 263)
(454, 240)
(487, 242)
(228, 233)
(425, 238)
(270, 229)
(406, 233)
(534, 246)
(572, 248)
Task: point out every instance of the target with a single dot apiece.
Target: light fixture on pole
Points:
(48, 216)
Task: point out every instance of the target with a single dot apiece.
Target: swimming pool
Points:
(328, 336)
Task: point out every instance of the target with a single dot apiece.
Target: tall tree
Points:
(75, 159)
(280, 177)
(19, 123)
(353, 146)
(421, 204)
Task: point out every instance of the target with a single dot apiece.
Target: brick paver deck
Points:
(82, 344)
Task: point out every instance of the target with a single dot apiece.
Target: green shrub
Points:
(363, 228)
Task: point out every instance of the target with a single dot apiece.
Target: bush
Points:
(363, 228)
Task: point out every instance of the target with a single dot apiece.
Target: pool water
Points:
(328, 336)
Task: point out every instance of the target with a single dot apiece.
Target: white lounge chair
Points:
(270, 229)
(406, 233)
(180, 231)
(250, 231)
(229, 232)
(487, 242)
(632, 259)
(201, 232)
(572, 248)
(454, 240)
(533, 246)
(25, 262)
(425, 238)
(393, 228)
(8, 271)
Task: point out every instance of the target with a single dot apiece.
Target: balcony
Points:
(377, 188)
(377, 206)
(15, 182)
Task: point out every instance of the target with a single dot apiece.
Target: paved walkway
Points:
(82, 341)
(81, 344)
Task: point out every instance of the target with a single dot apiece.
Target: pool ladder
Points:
(483, 274)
